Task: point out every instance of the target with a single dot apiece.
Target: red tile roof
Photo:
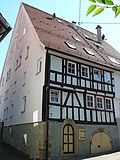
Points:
(54, 32)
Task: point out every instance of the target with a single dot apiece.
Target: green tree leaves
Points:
(109, 2)
(99, 6)
(98, 11)
(90, 9)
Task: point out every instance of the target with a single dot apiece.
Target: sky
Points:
(70, 10)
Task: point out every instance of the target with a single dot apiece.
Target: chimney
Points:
(73, 25)
(53, 16)
(99, 37)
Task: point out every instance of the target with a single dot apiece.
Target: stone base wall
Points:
(27, 138)
(31, 139)
(82, 146)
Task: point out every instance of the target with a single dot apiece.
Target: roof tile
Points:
(53, 32)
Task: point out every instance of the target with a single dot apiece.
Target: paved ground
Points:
(111, 156)
(8, 153)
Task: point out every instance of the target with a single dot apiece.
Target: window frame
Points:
(90, 101)
(69, 62)
(24, 104)
(110, 104)
(39, 65)
(55, 91)
(27, 52)
(99, 102)
(83, 66)
(106, 77)
(70, 45)
(99, 75)
(68, 135)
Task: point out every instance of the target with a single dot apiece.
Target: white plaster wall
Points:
(23, 36)
(117, 93)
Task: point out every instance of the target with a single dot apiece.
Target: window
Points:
(24, 104)
(59, 20)
(24, 31)
(112, 59)
(27, 53)
(39, 65)
(108, 103)
(70, 45)
(90, 101)
(18, 62)
(11, 111)
(0, 99)
(71, 68)
(2, 81)
(24, 78)
(99, 102)
(96, 74)
(68, 139)
(84, 71)
(54, 96)
(86, 36)
(89, 51)
(8, 75)
(76, 38)
(6, 94)
(107, 77)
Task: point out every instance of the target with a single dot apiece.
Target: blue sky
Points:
(66, 9)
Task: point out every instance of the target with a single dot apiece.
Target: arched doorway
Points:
(101, 142)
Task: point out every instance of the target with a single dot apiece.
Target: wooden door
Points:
(106, 144)
(100, 143)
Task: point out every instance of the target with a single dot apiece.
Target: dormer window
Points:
(89, 51)
(112, 59)
(71, 68)
(94, 35)
(76, 38)
(86, 36)
(59, 20)
(96, 74)
(70, 45)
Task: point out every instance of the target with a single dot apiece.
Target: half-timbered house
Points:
(59, 89)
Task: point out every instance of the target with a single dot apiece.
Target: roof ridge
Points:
(47, 13)
(25, 4)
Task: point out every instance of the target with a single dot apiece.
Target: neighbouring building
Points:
(59, 91)
(4, 30)
(4, 27)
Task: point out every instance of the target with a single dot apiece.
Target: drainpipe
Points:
(99, 37)
(47, 125)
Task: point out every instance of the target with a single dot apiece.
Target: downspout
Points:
(47, 75)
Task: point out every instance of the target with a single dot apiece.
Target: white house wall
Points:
(117, 94)
(24, 81)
